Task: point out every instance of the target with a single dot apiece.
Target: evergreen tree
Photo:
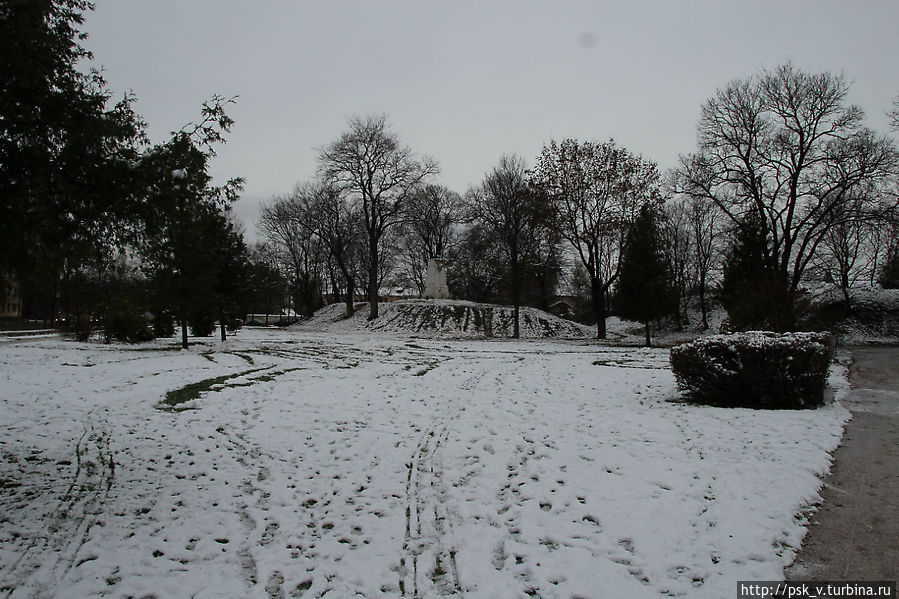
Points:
(644, 291)
(66, 152)
(889, 272)
(232, 283)
(185, 220)
(753, 294)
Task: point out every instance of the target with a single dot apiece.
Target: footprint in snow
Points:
(269, 533)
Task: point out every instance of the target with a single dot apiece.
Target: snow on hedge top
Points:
(756, 369)
(723, 353)
(444, 318)
(756, 340)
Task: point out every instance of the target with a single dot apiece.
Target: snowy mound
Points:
(444, 318)
(872, 315)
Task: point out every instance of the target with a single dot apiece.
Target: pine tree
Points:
(185, 221)
(66, 152)
(232, 284)
(751, 291)
(644, 291)
(889, 272)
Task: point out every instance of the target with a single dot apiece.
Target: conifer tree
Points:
(644, 291)
(66, 152)
(185, 220)
(753, 294)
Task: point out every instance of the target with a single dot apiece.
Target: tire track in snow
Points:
(69, 523)
(428, 560)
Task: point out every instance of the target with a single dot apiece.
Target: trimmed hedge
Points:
(755, 369)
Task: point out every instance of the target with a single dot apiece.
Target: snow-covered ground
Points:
(317, 465)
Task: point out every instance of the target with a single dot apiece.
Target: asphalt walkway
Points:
(855, 533)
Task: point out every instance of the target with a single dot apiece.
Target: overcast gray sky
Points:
(466, 81)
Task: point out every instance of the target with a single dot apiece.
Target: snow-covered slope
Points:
(444, 319)
(872, 315)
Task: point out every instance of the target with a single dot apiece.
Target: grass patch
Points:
(245, 357)
(160, 348)
(191, 391)
(270, 376)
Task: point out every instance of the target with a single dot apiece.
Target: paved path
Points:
(855, 533)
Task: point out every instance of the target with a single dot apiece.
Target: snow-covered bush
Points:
(755, 369)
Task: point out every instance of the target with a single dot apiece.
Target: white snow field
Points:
(364, 465)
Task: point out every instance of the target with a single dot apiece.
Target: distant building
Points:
(11, 306)
(396, 294)
(281, 317)
(564, 306)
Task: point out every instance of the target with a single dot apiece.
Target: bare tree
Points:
(786, 146)
(478, 268)
(507, 207)
(546, 265)
(597, 190)
(893, 115)
(848, 254)
(430, 230)
(433, 213)
(675, 227)
(336, 223)
(704, 223)
(287, 225)
(376, 173)
(267, 282)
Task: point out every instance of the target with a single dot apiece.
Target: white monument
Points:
(435, 282)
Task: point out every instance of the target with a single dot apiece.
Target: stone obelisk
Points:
(435, 282)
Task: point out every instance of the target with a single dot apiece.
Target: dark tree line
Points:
(66, 150)
(98, 222)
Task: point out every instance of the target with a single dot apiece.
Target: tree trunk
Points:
(516, 298)
(349, 298)
(335, 288)
(350, 292)
(599, 307)
(373, 283)
(222, 322)
(702, 307)
(646, 328)
(844, 286)
(182, 314)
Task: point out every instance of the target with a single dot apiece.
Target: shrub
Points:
(126, 322)
(755, 369)
(234, 324)
(81, 327)
(202, 324)
(164, 324)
